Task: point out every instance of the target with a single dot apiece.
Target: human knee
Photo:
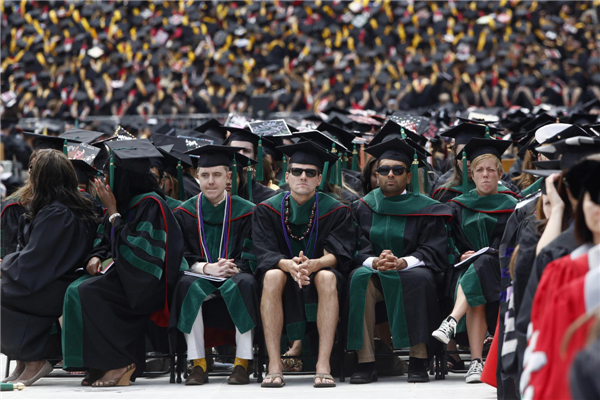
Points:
(326, 281)
(274, 280)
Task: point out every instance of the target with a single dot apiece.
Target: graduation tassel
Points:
(76, 123)
(339, 173)
(111, 178)
(180, 187)
(334, 173)
(345, 160)
(487, 132)
(234, 188)
(249, 180)
(324, 180)
(65, 149)
(354, 159)
(259, 166)
(414, 170)
(284, 168)
(402, 133)
(465, 174)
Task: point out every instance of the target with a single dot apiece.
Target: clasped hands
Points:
(387, 261)
(300, 268)
(224, 268)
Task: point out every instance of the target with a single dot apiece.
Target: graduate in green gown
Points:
(402, 258)
(450, 184)
(480, 217)
(217, 230)
(106, 312)
(304, 243)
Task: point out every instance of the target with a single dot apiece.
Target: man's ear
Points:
(408, 177)
(320, 179)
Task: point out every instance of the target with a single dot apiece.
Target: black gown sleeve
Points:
(432, 246)
(191, 251)
(341, 238)
(264, 232)
(101, 245)
(9, 223)
(58, 244)
(139, 248)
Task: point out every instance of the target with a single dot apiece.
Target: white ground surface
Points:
(297, 387)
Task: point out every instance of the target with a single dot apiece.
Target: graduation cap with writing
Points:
(132, 155)
(400, 150)
(214, 129)
(571, 150)
(583, 177)
(82, 157)
(88, 137)
(463, 133)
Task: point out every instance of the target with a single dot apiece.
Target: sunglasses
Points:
(310, 172)
(398, 170)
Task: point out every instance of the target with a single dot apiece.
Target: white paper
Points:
(207, 277)
(485, 250)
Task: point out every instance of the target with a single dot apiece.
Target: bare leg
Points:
(327, 318)
(31, 369)
(461, 306)
(476, 329)
(271, 310)
(296, 348)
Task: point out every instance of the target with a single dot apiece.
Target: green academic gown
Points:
(335, 232)
(106, 316)
(240, 292)
(408, 225)
(444, 194)
(478, 222)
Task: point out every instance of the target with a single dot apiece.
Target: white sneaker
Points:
(474, 373)
(446, 330)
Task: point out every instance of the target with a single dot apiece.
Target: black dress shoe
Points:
(417, 370)
(365, 373)
(197, 376)
(239, 376)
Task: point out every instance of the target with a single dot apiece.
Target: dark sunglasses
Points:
(310, 172)
(398, 170)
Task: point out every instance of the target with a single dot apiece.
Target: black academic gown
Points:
(105, 316)
(9, 223)
(190, 186)
(563, 245)
(584, 373)
(408, 225)
(238, 293)
(479, 222)
(336, 234)
(34, 279)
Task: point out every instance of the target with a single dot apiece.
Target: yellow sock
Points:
(201, 362)
(242, 362)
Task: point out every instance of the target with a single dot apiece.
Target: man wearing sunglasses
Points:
(304, 245)
(403, 253)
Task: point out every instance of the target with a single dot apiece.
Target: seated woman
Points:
(480, 216)
(54, 240)
(132, 268)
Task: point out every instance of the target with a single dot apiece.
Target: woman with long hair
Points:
(368, 178)
(568, 289)
(132, 269)
(55, 238)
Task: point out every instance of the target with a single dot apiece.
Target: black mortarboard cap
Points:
(393, 130)
(572, 149)
(583, 177)
(134, 154)
(177, 151)
(214, 129)
(342, 135)
(463, 133)
(544, 168)
(81, 135)
(322, 138)
(478, 146)
(398, 150)
(214, 155)
(307, 153)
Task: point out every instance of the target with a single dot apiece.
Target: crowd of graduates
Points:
(479, 235)
(72, 59)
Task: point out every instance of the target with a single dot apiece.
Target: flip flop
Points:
(273, 384)
(323, 384)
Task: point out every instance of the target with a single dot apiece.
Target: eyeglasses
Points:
(398, 170)
(310, 172)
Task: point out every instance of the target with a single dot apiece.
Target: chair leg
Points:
(260, 359)
(440, 368)
(7, 367)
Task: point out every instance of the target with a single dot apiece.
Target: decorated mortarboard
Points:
(464, 132)
(82, 157)
(274, 127)
(571, 150)
(583, 177)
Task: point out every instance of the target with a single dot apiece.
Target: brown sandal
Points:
(92, 376)
(323, 384)
(123, 380)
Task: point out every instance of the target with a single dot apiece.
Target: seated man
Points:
(304, 242)
(403, 254)
(217, 232)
